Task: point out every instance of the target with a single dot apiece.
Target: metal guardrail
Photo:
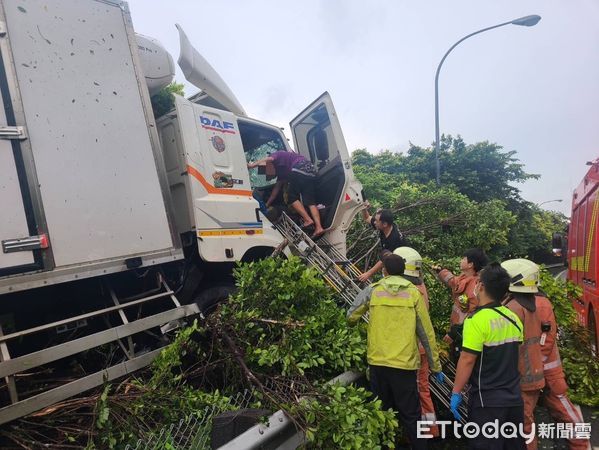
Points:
(278, 432)
(192, 432)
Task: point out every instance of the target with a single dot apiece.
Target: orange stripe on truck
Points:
(214, 190)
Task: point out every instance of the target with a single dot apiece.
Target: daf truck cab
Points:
(207, 142)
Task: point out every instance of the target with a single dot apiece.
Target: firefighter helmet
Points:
(524, 275)
(413, 260)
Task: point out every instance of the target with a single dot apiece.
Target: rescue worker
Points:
(525, 278)
(393, 355)
(390, 236)
(489, 362)
(462, 292)
(413, 273)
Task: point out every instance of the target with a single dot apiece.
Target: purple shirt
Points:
(284, 162)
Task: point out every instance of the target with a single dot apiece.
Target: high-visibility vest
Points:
(396, 309)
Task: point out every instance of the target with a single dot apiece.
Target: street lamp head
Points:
(527, 21)
(559, 200)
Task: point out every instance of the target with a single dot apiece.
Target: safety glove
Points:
(454, 404)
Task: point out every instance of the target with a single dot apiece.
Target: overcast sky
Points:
(534, 90)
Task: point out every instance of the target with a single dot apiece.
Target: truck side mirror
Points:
(557, 243)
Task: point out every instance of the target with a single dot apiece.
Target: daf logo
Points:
(217, 125)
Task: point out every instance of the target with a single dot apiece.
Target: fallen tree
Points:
(277, 340)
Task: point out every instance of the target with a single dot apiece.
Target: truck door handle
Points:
(25, 244)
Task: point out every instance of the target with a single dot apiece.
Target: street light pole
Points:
(527, 21)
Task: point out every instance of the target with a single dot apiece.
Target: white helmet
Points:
(524, 275)
(413, 260)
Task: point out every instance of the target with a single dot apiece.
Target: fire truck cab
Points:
(583, 240)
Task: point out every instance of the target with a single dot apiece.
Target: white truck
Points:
(114, 225)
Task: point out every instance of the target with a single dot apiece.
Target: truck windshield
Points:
(259, 142)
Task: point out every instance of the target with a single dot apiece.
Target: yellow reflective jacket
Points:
(398, 319)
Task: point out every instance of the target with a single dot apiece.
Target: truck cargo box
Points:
(82, 184)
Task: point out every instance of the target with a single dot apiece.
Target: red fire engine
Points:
(583, 238)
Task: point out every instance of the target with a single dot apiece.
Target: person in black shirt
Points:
(391, 237)
(489, 362)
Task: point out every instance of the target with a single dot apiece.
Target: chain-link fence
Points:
(192, 432)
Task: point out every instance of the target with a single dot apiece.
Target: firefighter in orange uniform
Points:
(524, 279)
(413, 273)
(555, 392)
(462, 292)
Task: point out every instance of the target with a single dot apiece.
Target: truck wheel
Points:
(209, 298)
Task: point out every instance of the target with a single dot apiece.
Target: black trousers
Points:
(480, 416)
(397, 389)
(301, 185)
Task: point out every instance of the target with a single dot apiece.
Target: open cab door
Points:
(205, 143)
(318, 137)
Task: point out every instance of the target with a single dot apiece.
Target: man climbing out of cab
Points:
(300, 174)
